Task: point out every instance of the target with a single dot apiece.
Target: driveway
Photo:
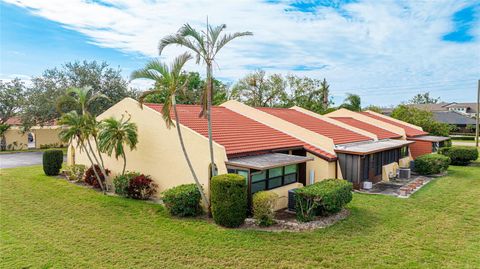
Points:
(10, 160)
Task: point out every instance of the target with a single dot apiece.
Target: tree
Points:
(421, 118)
(352, 102)
(114, 134)
(3, 142)
(373, 108)
(259, 90)
(12, 98)
(42, 96)
(424, 99)
(205, 45)
(168, 83)
(308, 93)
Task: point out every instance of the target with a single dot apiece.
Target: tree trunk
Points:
(124, 162)
(190, 166)
(99, 153)
(94, 170)
(209, 117)
(102, 169)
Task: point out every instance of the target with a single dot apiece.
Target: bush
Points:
(432, 163)
(91, 179)
(229, 199)
(467, 138)
(460, 155)
(447, 143)
(141, 187)
(122, 182)
(263, 207)
(75, 172)
(322, 198)
(183, 200)
(52, 162)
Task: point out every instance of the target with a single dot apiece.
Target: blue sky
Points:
(385, 51)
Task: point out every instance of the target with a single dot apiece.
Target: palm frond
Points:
(178, 64)
(141, 99)
(227, 38)
(188, 31)
(214, 33)
(179, 41)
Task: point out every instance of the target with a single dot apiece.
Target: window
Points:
(274, 178)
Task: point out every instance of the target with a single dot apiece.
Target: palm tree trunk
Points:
(102, 169)
(124, 162)
(190, 166)
(209, 119)
(99, 153)
(94, 170)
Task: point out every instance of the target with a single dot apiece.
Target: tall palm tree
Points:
(76, 131)
(352, 102)
(170, 85)
(114, 134)
(205, 45)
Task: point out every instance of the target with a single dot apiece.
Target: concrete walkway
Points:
(10, 160)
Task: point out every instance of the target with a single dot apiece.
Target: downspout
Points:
(336, 168)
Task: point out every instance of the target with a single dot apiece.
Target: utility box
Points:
(291, 200)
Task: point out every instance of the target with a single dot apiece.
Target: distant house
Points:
(460, 120)
(36, 137)
(467, 109)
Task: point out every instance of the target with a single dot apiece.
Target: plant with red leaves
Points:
(141, 187)
(91, 179)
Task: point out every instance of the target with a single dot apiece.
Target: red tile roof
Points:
(379, 132)
(339, 134)
(237, 133)
(409, 131)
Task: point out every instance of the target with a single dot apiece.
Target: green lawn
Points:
(47, 222)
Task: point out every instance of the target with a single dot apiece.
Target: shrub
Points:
(183, 200)
(263, 207)
(52, 162)
(431, 163)
(90, 177)
(460, 155)
(141, 187)
(229, 199)
(75, 172)
(322, 198)
(122, 182)
(447, 143)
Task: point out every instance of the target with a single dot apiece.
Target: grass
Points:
(31, 150)
(46, 222)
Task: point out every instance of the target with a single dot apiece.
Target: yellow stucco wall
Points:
(46, 136)
(389, 169)
(158, 152)
(282, 192)
(15, 135)
(322, 169)
(347, 113)
(405, 162)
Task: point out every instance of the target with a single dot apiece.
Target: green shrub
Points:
(460, 155)
(52, 162)
(75, 172)
(432, 163)
(471, 138)
(322, 198)
(263, 207)
(229, 199)
(183, 200)
(122, 182)
(447, 143)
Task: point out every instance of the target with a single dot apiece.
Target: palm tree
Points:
(114, 134)
(205, 45)
(352, 102)
(170, 84)
(76, 131)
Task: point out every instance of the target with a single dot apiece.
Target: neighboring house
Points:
(35, 137)
(273, 152)
(424, 143)
(467, 109)
(460, 120)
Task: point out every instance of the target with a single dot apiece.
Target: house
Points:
(35, 137)
(466, 109)
(424, 143)
(460, 120)
(275, 149)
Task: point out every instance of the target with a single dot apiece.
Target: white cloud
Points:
(380, 48)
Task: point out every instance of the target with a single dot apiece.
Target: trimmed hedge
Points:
(183, 200)
(429, 164)
(460, 155)
(52, 162)
(322, 198)
(263, 207)
(228, 199)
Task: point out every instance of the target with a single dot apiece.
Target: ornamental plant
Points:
(52, 162)
(183, 200)
(460, 155)
(430, 164)
(229, 199)
(263, 207)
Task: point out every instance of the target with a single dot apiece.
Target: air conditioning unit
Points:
(404, 173)
(291, 200)
(367, 185)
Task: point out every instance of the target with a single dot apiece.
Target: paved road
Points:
(10, 160)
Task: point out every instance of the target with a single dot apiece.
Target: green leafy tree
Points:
(114, 135)
(12, 99)
(309, 93)
(3, 141)
(424, 98)
(373, 108)
(421, 118)
(168, 83)
(259, 90)
(206, 45)
(352, 102)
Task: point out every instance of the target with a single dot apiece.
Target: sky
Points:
(385, 51)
